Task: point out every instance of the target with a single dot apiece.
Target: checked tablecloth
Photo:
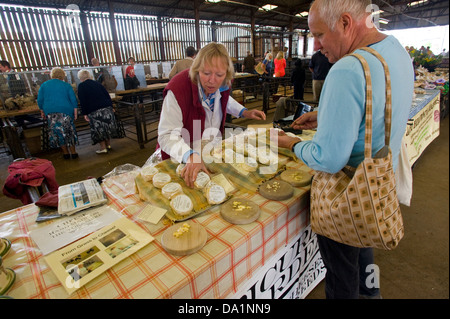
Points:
(231, 256)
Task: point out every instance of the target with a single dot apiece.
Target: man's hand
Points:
(307, 121)
(286, 141)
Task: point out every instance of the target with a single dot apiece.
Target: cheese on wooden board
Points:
(276, 190)
(240, 211)
(184, 240)
(296, 177)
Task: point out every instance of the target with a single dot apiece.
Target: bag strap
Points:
(369, 101)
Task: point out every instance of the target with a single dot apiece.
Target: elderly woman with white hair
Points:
(96, 106)
(58, 104)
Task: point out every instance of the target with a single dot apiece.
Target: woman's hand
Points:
(193, 166)
(307, 121)
(86, 118)
(254, 114)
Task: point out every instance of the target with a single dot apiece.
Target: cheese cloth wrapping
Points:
(154, 195)
(248, 182)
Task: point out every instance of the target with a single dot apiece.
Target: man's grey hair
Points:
(331, 10)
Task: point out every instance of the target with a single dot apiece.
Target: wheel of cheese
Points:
(181, 204)
(240, 211)
(201, 180)
(215, 194)
(276, 190)
(250, 164)
(148, 172)
(296, 177)
(171, 189)
(188, 242)
(179, 168)
(161, 179)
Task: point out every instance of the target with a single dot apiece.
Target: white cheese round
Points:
(215, 194)
(181, 204)
(201, 180)
(171, 189)
(250, 164)
(179, 168)
(148, 172)
(161, 179)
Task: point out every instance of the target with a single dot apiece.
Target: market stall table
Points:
(234, 261)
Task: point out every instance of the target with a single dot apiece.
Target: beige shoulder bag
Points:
(361, 209)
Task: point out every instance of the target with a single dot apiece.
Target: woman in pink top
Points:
(280, 65)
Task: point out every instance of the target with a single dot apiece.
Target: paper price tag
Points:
(152, 214)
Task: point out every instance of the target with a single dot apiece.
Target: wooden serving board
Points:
(276, 190)
(240, 211)
(188, 243)
(296, 177)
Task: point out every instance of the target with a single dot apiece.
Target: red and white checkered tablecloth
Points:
(231, 256)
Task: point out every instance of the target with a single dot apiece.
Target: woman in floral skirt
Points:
(96, 106)
(58, 104)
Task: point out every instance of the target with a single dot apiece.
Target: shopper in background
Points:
(267, 62)
(249, 64)
(319, 67)
(58, 104)
(197, 101)
(339, 28)
(95, 62)
(185, 63)
(96, 106)
(131, 81)
(298, 78)
(5, 66)
(280, 65)
(16, 85)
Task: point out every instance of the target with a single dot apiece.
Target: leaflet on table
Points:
(80, 195)
(80, 262)
(70, 228)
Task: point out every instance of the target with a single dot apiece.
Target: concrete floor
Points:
(417, 269)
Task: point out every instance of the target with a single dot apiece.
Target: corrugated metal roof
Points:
(399, 14)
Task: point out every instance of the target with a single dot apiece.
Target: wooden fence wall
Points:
(39, 38)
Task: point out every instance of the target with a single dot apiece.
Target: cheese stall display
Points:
(209, 241)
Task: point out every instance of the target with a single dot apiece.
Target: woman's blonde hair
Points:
(58, 73)
(84, 75)
(206, 55)
(280, 55)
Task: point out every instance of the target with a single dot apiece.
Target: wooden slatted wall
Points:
(39, 38)
(34, 38)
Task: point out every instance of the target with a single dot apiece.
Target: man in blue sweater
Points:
(340, 27)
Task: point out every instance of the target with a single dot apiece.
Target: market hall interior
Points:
(417, 269)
